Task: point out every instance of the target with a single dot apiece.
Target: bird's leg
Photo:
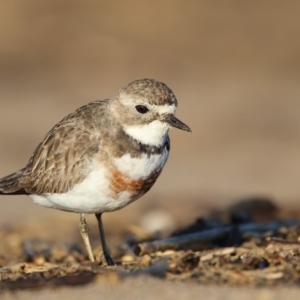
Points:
(108, 259)
(84, 230)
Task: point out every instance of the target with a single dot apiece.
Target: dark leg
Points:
(108, 259)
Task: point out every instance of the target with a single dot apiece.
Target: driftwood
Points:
(197, 240)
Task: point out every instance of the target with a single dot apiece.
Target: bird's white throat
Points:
(152, 134)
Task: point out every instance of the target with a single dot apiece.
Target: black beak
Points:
(174, 122)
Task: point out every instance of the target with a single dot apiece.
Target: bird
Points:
(103, 156)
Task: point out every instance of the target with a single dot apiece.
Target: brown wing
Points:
(61, 160)
(9, 185)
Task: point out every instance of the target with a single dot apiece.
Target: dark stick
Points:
(194, 240)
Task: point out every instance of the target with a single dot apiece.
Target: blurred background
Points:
(233, 65)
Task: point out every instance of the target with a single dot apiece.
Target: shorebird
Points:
(101, 157)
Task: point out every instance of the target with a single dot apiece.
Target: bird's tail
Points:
(10, 185)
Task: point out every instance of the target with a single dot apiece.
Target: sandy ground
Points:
(234, 68)
(151, 288)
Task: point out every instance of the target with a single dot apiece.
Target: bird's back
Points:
(54, 165)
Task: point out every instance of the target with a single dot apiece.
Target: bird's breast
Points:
(136, 175)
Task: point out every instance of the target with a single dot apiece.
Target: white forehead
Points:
(164, 109)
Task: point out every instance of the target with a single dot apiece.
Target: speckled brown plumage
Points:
(157, 92)
(61, 160)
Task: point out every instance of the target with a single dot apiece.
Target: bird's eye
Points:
(142, 109)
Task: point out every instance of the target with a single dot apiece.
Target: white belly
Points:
(93, 194)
